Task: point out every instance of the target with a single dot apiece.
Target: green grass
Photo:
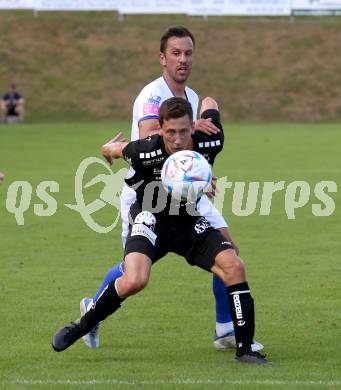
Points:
(162, 337)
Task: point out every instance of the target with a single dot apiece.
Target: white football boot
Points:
(228, 341)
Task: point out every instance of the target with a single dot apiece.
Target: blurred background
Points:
(263, 62)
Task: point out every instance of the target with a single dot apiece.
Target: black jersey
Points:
(147, 156)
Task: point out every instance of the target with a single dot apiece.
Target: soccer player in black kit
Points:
(174, 228)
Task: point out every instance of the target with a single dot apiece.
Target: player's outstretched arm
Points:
(113, 148)
(205, 125)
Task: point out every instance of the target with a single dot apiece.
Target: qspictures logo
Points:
(241, 198)
(19, 196)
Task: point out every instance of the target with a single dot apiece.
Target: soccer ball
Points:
(186, 175)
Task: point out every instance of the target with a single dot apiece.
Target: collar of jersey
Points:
(171, 89)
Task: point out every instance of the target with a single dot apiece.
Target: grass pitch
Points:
(162, 338)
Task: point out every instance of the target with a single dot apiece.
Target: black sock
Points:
(243, 315)
(107, 303)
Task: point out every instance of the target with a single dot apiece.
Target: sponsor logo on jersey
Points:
(146, 218)
(140, 229)
(152, 106)
(201, 225)
(152, 162)
(150, 109)
(154, 100)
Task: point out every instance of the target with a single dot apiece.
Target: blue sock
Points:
(111, 276)
(222, 306)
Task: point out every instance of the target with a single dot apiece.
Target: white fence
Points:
(189, 7)
(16, 4)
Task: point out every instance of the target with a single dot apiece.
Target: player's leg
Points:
(230, 268)
(113, 274)
(211, 251)
(91, 339)
(224, 334)
(127, 198)
(135, 278)
(139, 252)
(20, 111)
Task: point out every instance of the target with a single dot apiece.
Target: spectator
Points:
(12, 106)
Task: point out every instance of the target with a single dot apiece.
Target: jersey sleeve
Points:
(215, 115)
(131, 153)
(212, 143)
(136, 152)
(147, 105)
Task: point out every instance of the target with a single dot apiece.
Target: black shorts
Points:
(189, 236)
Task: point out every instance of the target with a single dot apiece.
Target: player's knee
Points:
(231, 267)
(238, 266)
(136, 284)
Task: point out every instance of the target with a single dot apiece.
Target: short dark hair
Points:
(175, 31)
(175, 107)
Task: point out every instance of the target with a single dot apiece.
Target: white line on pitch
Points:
(109, 382)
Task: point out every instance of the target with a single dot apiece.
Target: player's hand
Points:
(118, 138)
(206, 126)
(109, 159)
(213, 189)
